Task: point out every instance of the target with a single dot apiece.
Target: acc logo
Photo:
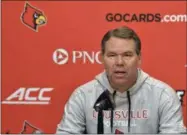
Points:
(61, 56)
(23, 96)
(32, 17)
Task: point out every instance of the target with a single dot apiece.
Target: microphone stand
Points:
(102, 103)
(100, 129)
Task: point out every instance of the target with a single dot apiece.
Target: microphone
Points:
(102, 103)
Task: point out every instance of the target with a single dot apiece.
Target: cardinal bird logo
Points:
(33, 17)
(30, 129)
(118, 132)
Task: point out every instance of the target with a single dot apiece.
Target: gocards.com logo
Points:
(61, 56)
(29, 96)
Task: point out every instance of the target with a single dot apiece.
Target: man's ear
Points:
(101, 57)
(140, 59)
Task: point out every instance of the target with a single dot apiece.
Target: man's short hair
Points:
(122, 32)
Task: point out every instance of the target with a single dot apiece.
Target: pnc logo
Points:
(61, 56)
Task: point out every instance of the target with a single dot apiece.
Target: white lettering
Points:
(87, 56)
(27, 93)
(97, 57)
(24, 96)
(76, 55)
(18, 94)
(40, 97)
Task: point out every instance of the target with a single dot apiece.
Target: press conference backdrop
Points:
(43, 64)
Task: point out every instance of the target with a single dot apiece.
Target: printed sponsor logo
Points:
(32, 17)
(29, 96)
(145, 17)
(62, 56)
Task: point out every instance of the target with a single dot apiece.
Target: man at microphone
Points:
(130, 100)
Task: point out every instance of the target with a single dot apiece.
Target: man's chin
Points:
(120, 82)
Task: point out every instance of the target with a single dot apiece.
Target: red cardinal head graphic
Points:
(32, 17)
(30, 129)
(118, 132)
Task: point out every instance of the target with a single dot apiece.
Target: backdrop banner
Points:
(49, 48)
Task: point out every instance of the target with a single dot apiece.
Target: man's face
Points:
(121, 61)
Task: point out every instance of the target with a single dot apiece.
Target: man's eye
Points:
(128, 55)
(111, 55)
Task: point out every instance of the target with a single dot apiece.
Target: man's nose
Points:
(119, 60)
